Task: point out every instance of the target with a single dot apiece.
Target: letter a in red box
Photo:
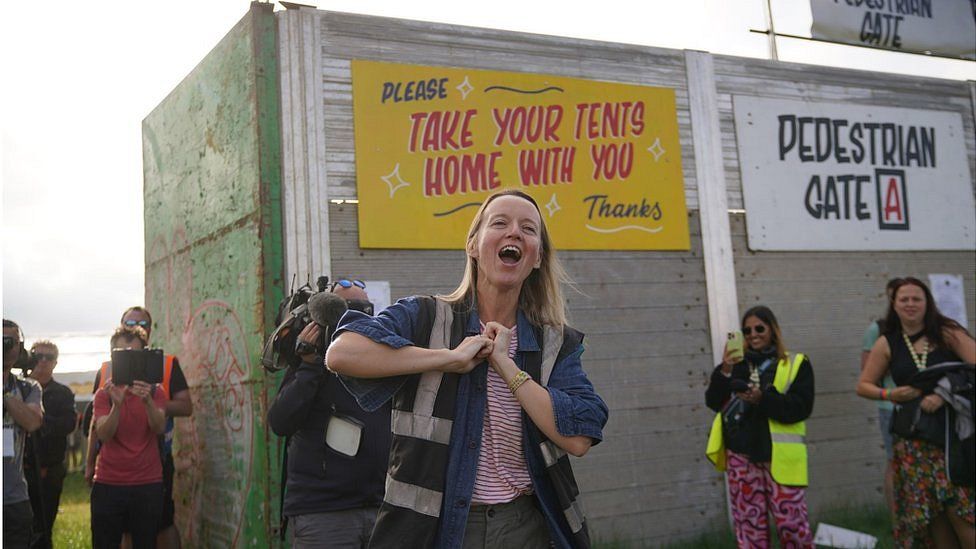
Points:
(892, 200)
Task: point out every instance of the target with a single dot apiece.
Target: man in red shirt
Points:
(127, 494)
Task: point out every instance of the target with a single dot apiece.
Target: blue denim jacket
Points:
(577, 408)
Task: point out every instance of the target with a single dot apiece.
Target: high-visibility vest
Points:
(105, 374)
(789, 449)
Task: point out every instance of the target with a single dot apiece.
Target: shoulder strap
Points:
(425, 319)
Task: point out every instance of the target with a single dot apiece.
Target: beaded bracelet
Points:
(518, 380)
(884, 394)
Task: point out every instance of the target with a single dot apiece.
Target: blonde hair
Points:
(541, 297)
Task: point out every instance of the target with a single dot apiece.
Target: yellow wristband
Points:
(518, 380)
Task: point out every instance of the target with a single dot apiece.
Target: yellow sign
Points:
(602, 160)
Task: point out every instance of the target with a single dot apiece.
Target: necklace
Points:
(754, 374)
(919, 361)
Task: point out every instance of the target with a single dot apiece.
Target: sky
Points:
(80, 77)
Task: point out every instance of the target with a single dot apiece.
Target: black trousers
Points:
(17, 519)
(45, 500)
(118, 509)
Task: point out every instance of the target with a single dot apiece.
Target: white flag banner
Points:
(944, 27)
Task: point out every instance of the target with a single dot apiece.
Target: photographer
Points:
(127, 494)
(335, 484)
(178, 404)
(22, 414)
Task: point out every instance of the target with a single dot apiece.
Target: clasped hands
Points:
(490, 345)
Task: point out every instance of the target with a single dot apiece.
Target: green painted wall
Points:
(211, 155)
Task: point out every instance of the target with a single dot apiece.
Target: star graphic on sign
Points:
(465, 88)
(552, 205)
(656, 149)
(394, 181)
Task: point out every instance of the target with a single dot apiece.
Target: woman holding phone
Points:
(489, 397)
(762, 398)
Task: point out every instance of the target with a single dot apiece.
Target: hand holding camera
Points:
(306, 346)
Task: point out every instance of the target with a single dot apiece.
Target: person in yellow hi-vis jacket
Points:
(762, 398)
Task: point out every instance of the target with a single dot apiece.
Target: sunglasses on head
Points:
(760, 329)
(44, 356)
(140, 323)
(348, 284)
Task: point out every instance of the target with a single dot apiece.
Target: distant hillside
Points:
(79, 382)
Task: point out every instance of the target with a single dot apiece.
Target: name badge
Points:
(344, 435)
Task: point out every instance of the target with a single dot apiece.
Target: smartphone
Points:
(734, 345)
(129, 365)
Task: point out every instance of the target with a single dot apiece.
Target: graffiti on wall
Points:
(212, 450)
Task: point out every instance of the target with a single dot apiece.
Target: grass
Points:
(72, 529)
(873, 520)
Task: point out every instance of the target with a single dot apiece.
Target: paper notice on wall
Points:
(949, 296)
(379, 294)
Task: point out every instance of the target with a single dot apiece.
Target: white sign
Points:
(949, 296)
(830, 176)
(829, 535)
(379, 294)
(944, 27)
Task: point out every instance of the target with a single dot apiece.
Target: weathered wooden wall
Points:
(646, 314)
(825, 300)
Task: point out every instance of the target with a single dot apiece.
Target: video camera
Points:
(25, 362)
(295, 312)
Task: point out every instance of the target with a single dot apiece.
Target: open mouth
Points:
(510, 255)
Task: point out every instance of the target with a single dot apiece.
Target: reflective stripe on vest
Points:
(781, 437)
(575, 516)
(551, 453)
(422, 424)
(410, 496)
(549, 352)
(427, 427)
(789, 451)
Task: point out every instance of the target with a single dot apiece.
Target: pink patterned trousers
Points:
(754, 494)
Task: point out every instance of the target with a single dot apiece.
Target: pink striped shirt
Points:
(502, 474)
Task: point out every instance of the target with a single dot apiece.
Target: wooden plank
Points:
(723, 311)
(305, 189)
